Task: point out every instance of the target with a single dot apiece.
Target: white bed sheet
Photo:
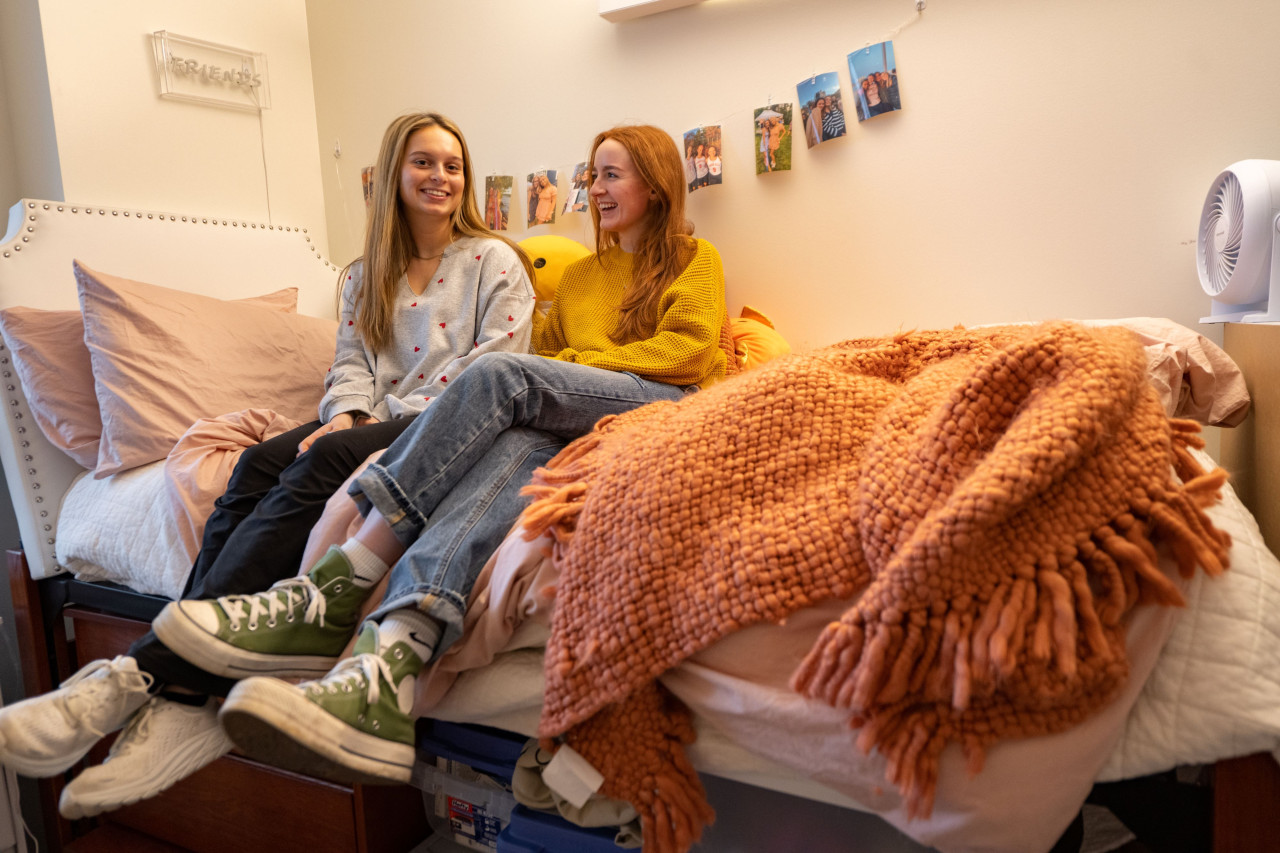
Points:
(767, 735)
(142, 527)
(117, 529)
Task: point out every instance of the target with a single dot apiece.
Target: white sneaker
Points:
(163, 744)
(45, 735)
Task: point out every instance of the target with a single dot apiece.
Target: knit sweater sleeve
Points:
(349, 387)
(684, 348)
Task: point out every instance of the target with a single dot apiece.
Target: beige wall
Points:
(29, 165)
(8, 164)
(119, 143)
(1051, 158)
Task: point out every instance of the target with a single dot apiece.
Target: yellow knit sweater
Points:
(684, 346)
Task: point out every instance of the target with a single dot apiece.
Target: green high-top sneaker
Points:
(297, 628)
(353, 725)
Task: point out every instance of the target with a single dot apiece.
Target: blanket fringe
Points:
(559, 489)
(1052, 636)
(553, 509)
(664, 787)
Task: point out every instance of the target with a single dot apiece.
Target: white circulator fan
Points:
(1238, 247)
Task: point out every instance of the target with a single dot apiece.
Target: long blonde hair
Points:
(388, 243)
(666, 246)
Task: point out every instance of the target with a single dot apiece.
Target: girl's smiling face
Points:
(432, 179)
(619, 194)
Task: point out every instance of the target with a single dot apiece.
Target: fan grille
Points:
(1222, 230)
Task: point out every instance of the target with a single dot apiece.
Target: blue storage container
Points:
(466, 773)
(489, 750)
(532, 831)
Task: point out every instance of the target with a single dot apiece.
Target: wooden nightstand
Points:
(1251, 451)
(1247, 789)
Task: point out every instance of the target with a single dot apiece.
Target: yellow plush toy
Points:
(550, 255)
(755, 341)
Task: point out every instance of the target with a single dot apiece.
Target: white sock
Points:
(415, 629)
(367, 568)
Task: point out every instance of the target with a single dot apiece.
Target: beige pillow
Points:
(162, 359)
(1195, 377)
(53, 365)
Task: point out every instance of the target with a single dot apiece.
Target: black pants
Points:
(259, 528)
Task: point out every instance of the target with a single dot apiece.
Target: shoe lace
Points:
(74, 703)
(284, 596)
(356, 672)
(135, 732)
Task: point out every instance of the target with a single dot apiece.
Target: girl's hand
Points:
(346, 420)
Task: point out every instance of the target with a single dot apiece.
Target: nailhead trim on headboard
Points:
(20, 414)
(37, 472)
(204, 220)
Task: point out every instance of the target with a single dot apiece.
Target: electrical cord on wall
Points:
(356, 239)
(262, 142)
(266, 182)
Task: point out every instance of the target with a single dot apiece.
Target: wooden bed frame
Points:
(239, 798)
(265, 809)
(1251, 452)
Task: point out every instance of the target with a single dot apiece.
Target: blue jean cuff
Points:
(377, 489)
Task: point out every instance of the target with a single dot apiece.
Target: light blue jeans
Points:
(450, 484)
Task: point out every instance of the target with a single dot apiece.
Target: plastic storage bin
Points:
(531, 831)
(491, 751)
(465, 772)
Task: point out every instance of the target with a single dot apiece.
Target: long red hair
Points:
(667, 245)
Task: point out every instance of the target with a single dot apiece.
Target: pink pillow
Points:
(163, 359)
(1194, 377)
(53, 365)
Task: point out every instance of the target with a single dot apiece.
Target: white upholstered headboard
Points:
(226, 258)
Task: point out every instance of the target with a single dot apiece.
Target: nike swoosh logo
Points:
(413, 635)
(359, 576)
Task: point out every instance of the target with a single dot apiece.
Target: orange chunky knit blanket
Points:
(997, 497)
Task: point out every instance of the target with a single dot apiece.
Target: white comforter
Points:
(1215, 692)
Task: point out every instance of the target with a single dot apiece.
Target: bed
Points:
(216, 256)
(1184, 704)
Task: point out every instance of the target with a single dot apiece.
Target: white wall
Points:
(1051, 158)
(8, 164)
(29, 165)
(121, 144)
